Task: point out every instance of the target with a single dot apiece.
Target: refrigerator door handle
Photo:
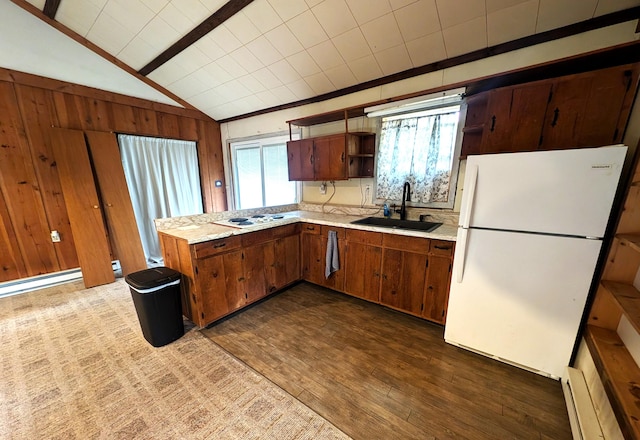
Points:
(461, 253)
(472, 180)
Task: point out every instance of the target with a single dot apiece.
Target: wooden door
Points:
(329, 158)
(362, 271)
(116, 201)
(436, 293)
(254, 265)
(287, 251)
(235, 292)
(210, 288)
(300, 159)
(403, 279)
(514, 118)
(83, 206)
(313, 258)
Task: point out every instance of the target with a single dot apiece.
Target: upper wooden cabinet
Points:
(582, 110)
(333, 157)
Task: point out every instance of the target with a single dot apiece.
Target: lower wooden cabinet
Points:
(410, 274)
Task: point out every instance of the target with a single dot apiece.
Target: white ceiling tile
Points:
(319, 83)
(220, 75)
(267, 78)
(334, 16)
(427, 49)
(109, 34)
(326, 55)
(465, 37)
(284, 41)
(243, 29)
(365, 69)
(231, 66)
(225, 38)
(307, 29)
(554, 14)
(78, 15)
(131, 14)
(37, 3)
(213, 5)
(264, 51)
(262, 15)
(495, 5)
(303, 63)
(283, 70)
(382, 33)
(209, 47)
(205, 99)
(207, 77)
(352, 45)
(191, 59)
(188, 86)
(341, 76)
(246, 59)
(194, 10)
(287, 9)
(609, 6)
(232, 90)
(418, 19)
(251, 83)
(138, 53)
(453, 12)
(312, 3)
(168, 73)
(155, 5)
(301, 89)
(364, 12)
(394, 60)
(511, 23)
(269, 99)
(176, 19)
(283, 93)
(158, 34)
(397, 4)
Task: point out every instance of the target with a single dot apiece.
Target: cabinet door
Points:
(437, 289)
(329, 158)
(235, 292)
(514, 118)
(300, 159)
(282, 262)
(403, 280)
(253, 265)
(362, 271)
(315, 251)
(209, 290)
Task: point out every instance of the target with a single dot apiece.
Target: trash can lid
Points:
(152, 278)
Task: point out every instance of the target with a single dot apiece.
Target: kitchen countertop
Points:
(198, 232)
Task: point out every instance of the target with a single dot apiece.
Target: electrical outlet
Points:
(323, 188)
(367, 188)
(55, 236)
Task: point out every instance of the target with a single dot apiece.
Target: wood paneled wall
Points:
(31, 198)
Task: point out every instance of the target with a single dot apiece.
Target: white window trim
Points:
(267, 139)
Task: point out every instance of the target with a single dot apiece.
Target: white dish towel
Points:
(332, 259)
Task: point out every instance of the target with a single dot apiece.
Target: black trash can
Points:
(156, 295)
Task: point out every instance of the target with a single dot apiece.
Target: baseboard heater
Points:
(582, 413)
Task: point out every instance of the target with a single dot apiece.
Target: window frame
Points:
(260, 142)
(455, 160)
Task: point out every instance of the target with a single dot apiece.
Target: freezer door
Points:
(520, 297)
(568, 192)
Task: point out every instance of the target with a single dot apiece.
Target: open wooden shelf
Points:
(620, 376)
(628, 299)
(631, 240)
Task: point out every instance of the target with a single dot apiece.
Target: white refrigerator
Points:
(529, 238)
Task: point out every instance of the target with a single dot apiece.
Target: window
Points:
(418, 148)
(260, 173)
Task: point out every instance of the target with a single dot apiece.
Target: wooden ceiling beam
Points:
(216, 19)
(51, 8)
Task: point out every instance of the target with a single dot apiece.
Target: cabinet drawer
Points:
(406, 243)
(286, 230)
(310, 228)
(441, 247)
(365, 237)
(219, 246)
(324, 230)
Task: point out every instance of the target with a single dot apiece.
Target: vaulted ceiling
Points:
(230, 58)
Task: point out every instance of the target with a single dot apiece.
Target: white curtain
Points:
(418, 150)
(164, 181)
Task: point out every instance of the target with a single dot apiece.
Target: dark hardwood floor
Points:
(378, 374)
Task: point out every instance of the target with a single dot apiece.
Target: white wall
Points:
(350, 192)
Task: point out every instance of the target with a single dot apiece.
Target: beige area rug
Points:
(76, 366)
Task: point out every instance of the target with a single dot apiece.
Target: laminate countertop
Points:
(200, 231)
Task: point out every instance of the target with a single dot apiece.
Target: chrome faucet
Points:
(406, 197)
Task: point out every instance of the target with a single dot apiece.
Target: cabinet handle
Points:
(311, 228)
(311, 159)
(342, 157)
(219, 245)
(493, 123)
(556, 113)
(442, 248)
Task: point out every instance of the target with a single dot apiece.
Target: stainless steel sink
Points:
(397, 224)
